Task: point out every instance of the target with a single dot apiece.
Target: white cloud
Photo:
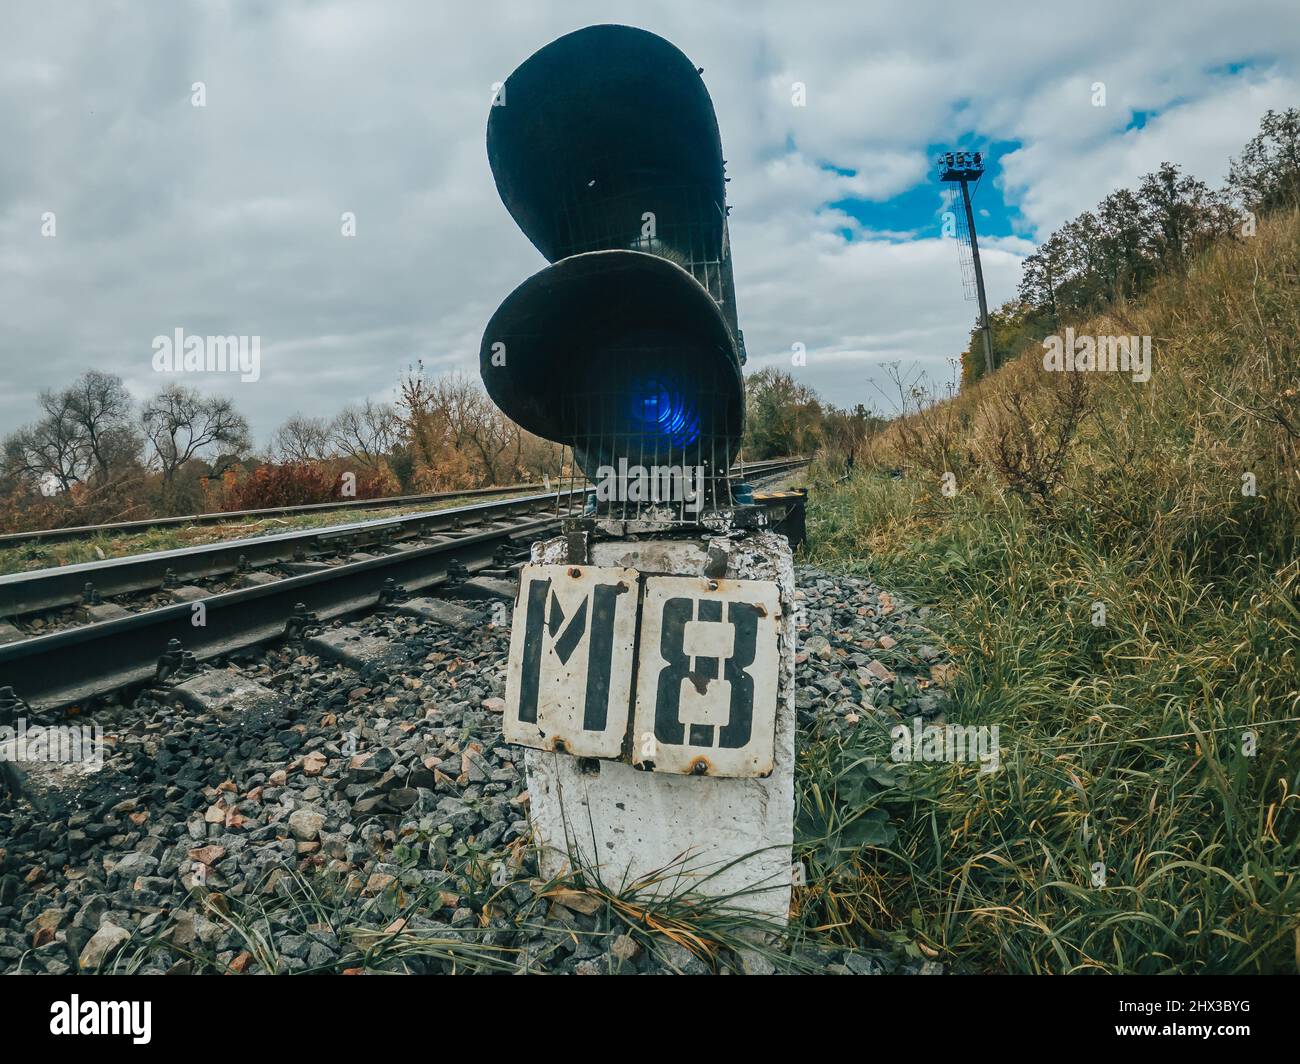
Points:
(1055, 177)
(225, 219)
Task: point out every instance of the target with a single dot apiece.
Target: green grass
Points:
(1123, 743)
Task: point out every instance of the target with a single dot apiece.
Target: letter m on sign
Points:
(569, 676)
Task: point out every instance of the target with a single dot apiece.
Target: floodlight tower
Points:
(963, 167)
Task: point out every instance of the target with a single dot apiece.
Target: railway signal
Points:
(650, 675)
(606, 151)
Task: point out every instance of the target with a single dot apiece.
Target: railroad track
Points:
(176, 571)
(56, 535)
(91, 587)
(465, 551)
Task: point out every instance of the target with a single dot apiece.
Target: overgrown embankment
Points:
(1117, 563)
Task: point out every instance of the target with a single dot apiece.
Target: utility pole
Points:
(963, 168)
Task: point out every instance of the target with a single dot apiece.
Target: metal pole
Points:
(979, 280)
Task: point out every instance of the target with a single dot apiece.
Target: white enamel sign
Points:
(569, 682)
(708, 672)
(707, 665)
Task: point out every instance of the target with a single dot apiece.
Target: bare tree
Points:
(302, 439)
(366, 433)
(57, 443)
(455, 436)
(477, 426)
(43, 455)
(84, 435)
(456, 401)
(122, 447)
(180, 423)
(98, 403)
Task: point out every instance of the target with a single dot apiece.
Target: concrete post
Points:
(712, 835)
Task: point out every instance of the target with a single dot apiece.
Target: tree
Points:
(845, 431)
(1118, 250)
(302, 440)
(1267, 176)
(85, 435)
(1124, 266)
(41, 457)
(783, 417)
(365, 433)
(1011, 327)
(55, 444)
(1182, 214)
(435, 460)
(180, 424)
(1042, 275)
(453, 432)
(122, 447)
(1083, 288)
(100, 407)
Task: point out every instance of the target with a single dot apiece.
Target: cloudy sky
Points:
(226, 218)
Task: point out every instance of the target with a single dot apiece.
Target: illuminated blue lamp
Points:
(659, 412)
(622, 347)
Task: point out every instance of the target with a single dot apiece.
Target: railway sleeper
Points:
(487, 587)
(48, 786)
(442, 612)
(356, 649)
(225, 693)
(93, 613)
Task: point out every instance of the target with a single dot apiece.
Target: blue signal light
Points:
(660, 412)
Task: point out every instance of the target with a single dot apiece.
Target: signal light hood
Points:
(598, 128)
(605, 149)
(578, 334)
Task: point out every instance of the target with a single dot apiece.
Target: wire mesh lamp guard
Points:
(605, 149)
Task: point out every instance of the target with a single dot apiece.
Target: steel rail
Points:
(51, 588)
(74, 664)
(54, 535)
(79, 663)
(42, 589)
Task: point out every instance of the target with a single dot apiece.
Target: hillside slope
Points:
(1117, 563)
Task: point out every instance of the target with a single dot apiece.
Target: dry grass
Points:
(1125, 743)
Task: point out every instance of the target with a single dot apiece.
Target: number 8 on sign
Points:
(708, 669)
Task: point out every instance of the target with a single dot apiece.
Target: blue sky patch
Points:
(918, 211)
